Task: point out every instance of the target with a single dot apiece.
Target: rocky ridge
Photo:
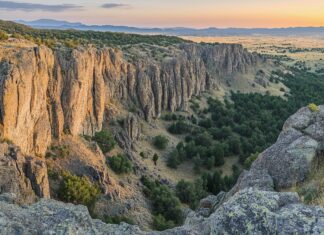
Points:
(253, 206)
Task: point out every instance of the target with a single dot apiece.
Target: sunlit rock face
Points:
(45, 93)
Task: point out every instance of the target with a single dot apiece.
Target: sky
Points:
(171, 13)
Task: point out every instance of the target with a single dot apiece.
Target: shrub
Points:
(160, 142)
(217, 151)
(143, 155)
(3, 35)
(203, 139)
(248, 162)
(313, 107)
(194, 106)
(57, 151)
(17, 35)
(234, 144)
(160, 223)
(185, 191)
(209, 162)
(105, 140)
(155, 158)
(174, 159)
(50, 43)
(170, 117)
(215, 183)
(179, 127)
(77, 190)
(53, 175)
(120, 164)
(165, 203)
(190, 193)
(71, 43)
(207, 123)
(310, 192)
(6, 140)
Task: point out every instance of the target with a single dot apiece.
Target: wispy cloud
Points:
(115, 5)
(15, 6)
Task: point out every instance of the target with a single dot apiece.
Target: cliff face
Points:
(45, 93)
(24, 78)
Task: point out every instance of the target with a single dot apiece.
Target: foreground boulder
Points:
(253, 206)
(261, 212)
(298, 150)
(248, 212)
(53, 217)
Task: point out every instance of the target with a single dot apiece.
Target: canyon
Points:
(51, 97)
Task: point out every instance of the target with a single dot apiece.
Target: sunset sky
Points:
(168, 13)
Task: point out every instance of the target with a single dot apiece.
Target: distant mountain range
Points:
(177, 31)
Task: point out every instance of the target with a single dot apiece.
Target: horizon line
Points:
(166, 27)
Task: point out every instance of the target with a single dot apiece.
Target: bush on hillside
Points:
(160, 223)
(58, 151)
(313, 107)
(248, 162)
(105, 140)
(165, 204)
(3, 35)
(78, 190)
(190, 193)
(160, 142)
(120, 164)
(179, 127)
(155, 158)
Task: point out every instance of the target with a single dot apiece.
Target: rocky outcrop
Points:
(261, 79)
(260, 212)
(292, 157)
(251, 207)
(45, 93)
(248, 212)
(82, 158)
(21, 175)
(52, 217)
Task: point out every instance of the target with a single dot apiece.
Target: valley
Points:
(144, 129)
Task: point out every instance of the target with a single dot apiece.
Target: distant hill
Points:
(52, 36)
(178, 31)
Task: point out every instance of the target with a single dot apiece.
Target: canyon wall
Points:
(46, 93)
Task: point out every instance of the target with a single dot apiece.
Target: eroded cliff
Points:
(45, 93)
